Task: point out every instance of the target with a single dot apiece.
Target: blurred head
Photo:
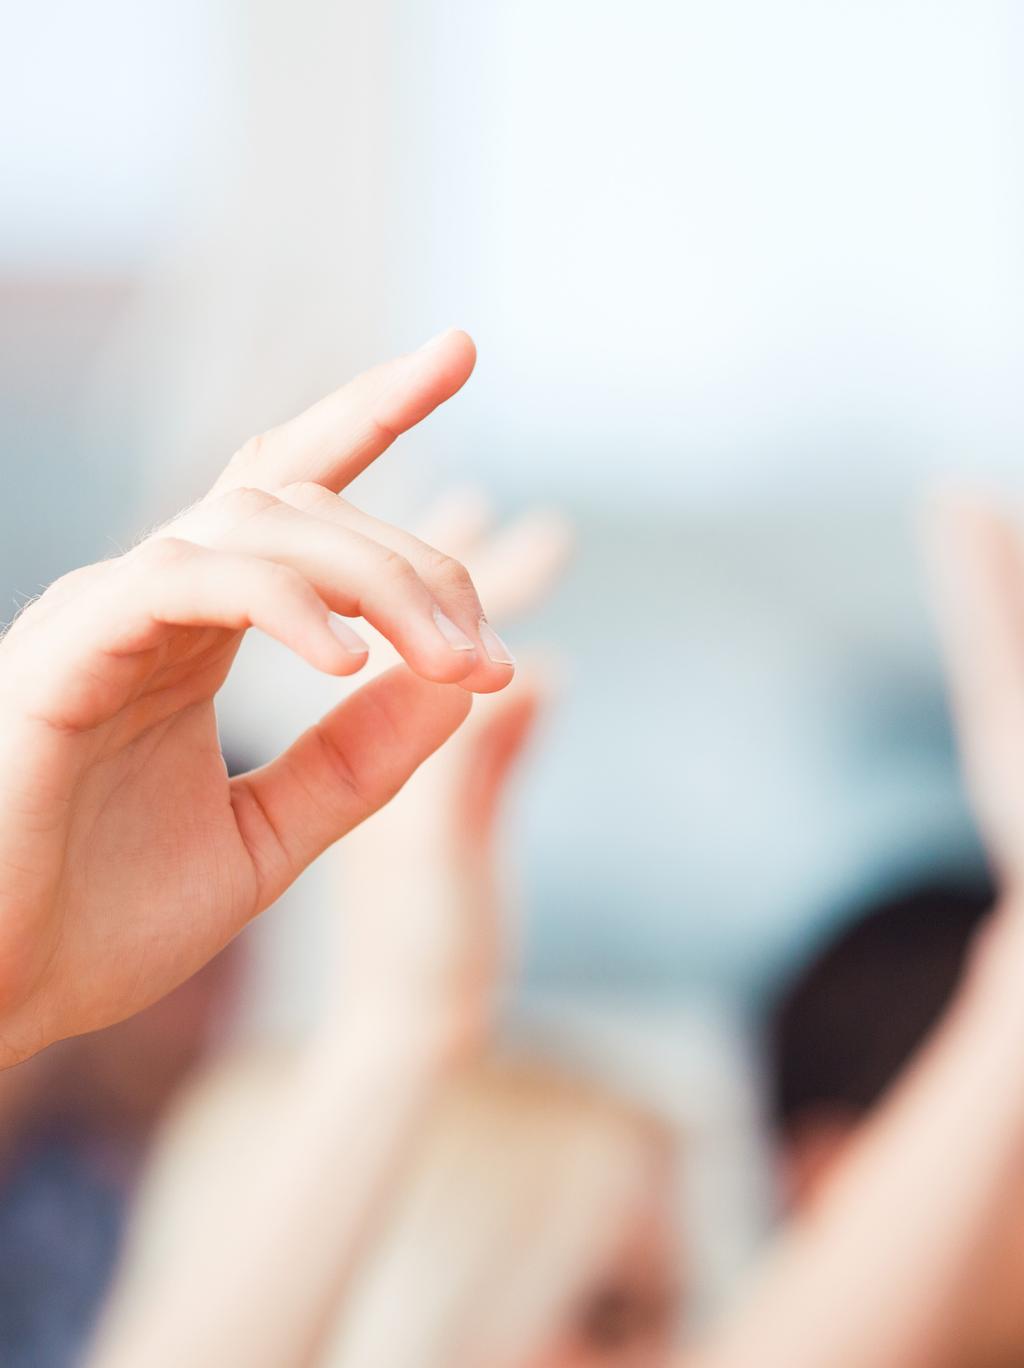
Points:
(532, 1230)
(841, 1032)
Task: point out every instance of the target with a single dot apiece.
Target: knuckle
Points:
(288, 582)
(243, 503)
(161, 553)
(70, 582)
(249, 453)
(394, 566)
(449, 573)
(306, 494)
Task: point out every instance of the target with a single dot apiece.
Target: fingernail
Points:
(351, 640)
(455, 636)
(497, 652)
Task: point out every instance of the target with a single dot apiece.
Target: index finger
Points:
(336, 439)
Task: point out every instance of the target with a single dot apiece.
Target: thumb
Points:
(343, 769)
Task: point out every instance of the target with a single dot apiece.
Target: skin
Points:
(847, 1285)
(127, 859)
(992, 1333)
(444, 928)
(127, 856)
(978, 566)
(416, 978)
(889, 1262)
(628, 1318)
(447, 896)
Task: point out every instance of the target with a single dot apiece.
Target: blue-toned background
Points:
(745, 279)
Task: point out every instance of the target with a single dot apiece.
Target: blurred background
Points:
(746, 282)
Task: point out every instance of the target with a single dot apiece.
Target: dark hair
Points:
(844, 1026)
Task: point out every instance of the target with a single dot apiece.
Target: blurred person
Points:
(839, 1036)
(842, 1030)
(531, 1228)
(881, 1270)
(515, 1214)
(129, 857)
(904, 1252)
(847, 1283)
(525, 1222)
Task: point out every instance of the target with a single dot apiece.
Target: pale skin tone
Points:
(882, 1270)
(848, 1285)
(440, 924)
(979, 567)
(884, 1267)
(415, 988)
(127, 857)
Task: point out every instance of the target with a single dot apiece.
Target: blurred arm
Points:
(876, 1274)
(880, 1273)
(427, 900)
(261, 1194)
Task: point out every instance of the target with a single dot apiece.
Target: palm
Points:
(127, 855)
(150, 827)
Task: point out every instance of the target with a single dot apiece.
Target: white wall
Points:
(728, 244)
(747, 248)
(105, 107)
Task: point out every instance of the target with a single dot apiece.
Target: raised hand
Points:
(425, 930)
(127, 857)
(409, 1002)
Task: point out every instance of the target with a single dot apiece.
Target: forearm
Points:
(423, 932)
(878, 1274)
(267, 1264)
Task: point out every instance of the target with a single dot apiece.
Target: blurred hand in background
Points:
(426, 897)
